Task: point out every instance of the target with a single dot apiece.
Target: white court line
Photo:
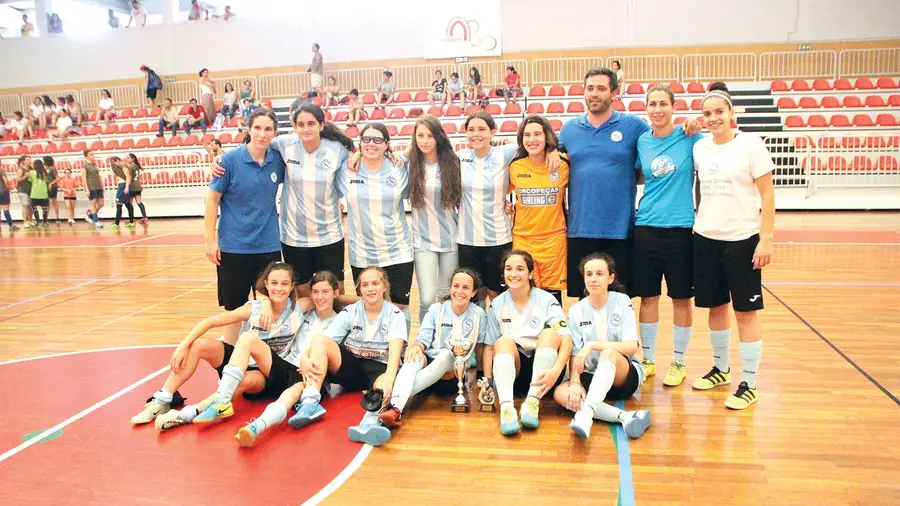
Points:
(199, 245)
(339, 480)
(14, 304)
(110, 279)
(832, 283)
(803, 243)
(145, 239)
(82, 352)
(81, 414)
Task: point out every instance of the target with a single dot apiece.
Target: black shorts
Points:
(617, 392)
(282, 375)
(485, 260)
(384, 98)
(53, 193)
(237, 274)
(95, 194)
(723, 272)
(579, 247)
(226, 357)
(526, 370)
(659, 252)
(40, 202)
(400, 278)
(356, 374)
(151, 93)
(308, 261)
(121, 196)
(135, 193)
(69, 198)
(4, 198)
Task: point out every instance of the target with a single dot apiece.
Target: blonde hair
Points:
(384, 279)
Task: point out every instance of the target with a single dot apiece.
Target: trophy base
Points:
(487, 408)
(460, 408)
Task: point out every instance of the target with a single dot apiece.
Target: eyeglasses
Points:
(374, 140)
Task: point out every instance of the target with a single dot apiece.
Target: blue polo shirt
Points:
(668, 167)
(248, 223)
(602, 180)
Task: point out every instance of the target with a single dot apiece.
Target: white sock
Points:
(403, 385)
(188, 413)
(681, 336)
(441, 365)
(370, 418)
(750, 357)
(649, 336)
(231, 378)
(504, 376)
(310, 395)
(163, 396)
(600, 383)
(544, 358)
(270, 417)
(721, 344)
(607, 413)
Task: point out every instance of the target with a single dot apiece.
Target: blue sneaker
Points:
(528, 412)
(247, 435)
(307, 413)
(215, 411)
(509, 420)
(636, 422)
(370, 434)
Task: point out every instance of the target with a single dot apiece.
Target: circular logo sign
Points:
(615, 136)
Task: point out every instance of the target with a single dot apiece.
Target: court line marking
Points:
(199, 245)
(173, 280)
(82, 352)
(626, 477)
(835, 348)
(339, 480)
(61, 290)
(81, 414)
(145, 239)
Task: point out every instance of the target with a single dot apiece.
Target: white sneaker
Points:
(71, 221)
(636, 422)
(169, 420)
(581, 423)
(528, 412)
(151, 410)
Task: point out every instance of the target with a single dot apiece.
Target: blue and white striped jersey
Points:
(485, 183)
(434, 226)
(614, 322)
(441, 323)
(310, 216)
(283, 331)
(364, 339)
(376, 214)
(505, 319)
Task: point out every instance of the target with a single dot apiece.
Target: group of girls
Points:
(39, 183)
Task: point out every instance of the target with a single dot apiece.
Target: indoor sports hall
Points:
(91, 310)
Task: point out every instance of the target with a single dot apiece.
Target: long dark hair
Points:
(134, 160)
(477, 76)
(38, 166)
(448, 165)
(616, 285)
(49, 162)
(329, 130)
(551, 142)
(476, 281)
(529, 262)
(48, 102)
(384, 133)
(229, 85)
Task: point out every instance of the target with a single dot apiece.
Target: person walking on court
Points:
(123, 187)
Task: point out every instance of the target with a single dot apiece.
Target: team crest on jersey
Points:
(615, 136)
(392, 181)
(554, 176)
(384, 329)
(326, 164)
(274, 177)
(662, 165)
(713, 167)
(615, 320)
(468, 324)
(534, 322)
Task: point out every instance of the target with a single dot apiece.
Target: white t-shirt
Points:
(36, 110)
(730, 205)
(106, 104)
(139, 15)
(64, 122)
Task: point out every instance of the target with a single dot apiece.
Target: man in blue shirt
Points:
(248, 238)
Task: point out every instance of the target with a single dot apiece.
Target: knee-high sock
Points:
(441, 365)
(143, 209)
(750, 356)
(599, 387)
(130, 207)
(118, 213)
(37, 215)
(270, 417)
(231, 377)
(504, 376)
(681, 336)
(721, 344)
(403, 385)
(544, 358)
(46, 211)
(8, 218)
(649, 336)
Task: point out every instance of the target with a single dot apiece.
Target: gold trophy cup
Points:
(462, 349)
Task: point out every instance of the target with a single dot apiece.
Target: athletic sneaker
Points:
(391, 418)
(370, 434)
(714, 378)
(509, 420)
(247, 435)
(129, 224)
(649, 367)
(676, 374)
(151, 410)
(635, 423)
(581, 423)
(87, 217)
(72, 222)
(214, 412)
(97, 224)
(169, 420)
(113, 226)
(743, 398)
(528, 412)
(307, 413)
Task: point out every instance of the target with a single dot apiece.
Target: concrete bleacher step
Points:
(758, 120)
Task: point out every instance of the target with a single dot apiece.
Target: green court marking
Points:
(612, 432)
(36, 433)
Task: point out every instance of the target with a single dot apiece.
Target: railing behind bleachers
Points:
(869, 62)
(10, 104)
(648, 68)
(493, 72)
(181, 92)
(854, 160)
(282, 85)
(719, 67)
(236, 82)
(562, 70)
(123, 96)
(798, 64)
(418, 77)
(364, 79)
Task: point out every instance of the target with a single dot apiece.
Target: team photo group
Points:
(498, 233)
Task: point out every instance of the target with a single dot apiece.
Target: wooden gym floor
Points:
(822, 433)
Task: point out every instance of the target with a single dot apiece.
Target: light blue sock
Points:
(750, 356)
(188, 413)
(721, 344)
(408, 318)
(681, 336)
(504, 376)
(163, 396)
(270, 417)
(231, 377)
(310, 396)
(649, 335)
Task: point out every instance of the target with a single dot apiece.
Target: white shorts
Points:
(315, 80)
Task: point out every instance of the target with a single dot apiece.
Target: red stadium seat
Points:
(127, 144)
(877, 142)
(238, 138)
(681, 105)
(97, 146)
(392, 130)
(635, 89)
(837, 162)
(786, 103)
(51, 148)
(225, 138)
(637, 106)
(493, 109)
(65, 147)
(174, 141)
(842, 85)
(368, 98)
(851, 101)
(414, 112)
(352, 132)
(875, 101)
(512, 108)
(111, 129)
(421, 96)
(207, 139)
(777, 85)
(142, 128)
(184, 109)
(378, 115)
(112, 145)
(435, 111)
(813, 164)
(676, 87)
(617, 105)
(679, 120)
(864, 83)
(535, 108)
(555, 108)
(37, 149)
(473, 108)
(453, 111)
(79, 146)
(317, 101)
(821, 85)
(863, 120)
(126, 113)
(537, 91)
(886, 83)
(159, 142)
(190, 140)
(576, 90)
(840, 121)
(556, 91)
(7, 151)
(575, 108)
(808, 103)
(141, 113)
(556, 125)
(886, 120)
(794, 122)
(887, 162)
(852, 142)
(235, 121)
(800, 85)
(828, 142)
(267, 103)
(127, 128)
(509, 126)
(142, 144)
(697, 104)
(695, 87)
(449, 128)
(830, 102)
(397, 113)
(341, 116)
(403, 97)
(802, 142)
(817, 121)
(408, 130)
(862, 162)
(94, 130)
(894, 101)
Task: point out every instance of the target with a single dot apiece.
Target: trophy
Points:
(486, 396)
(462, 349)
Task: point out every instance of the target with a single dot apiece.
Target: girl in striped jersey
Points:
(434, 196)
(276, 282)
(376, 215)
(360, 350)
(455, 317)
(606, 354)
(527, 343)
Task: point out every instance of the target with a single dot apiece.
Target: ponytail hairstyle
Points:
(38, 167)
(476, 281)
(718, 89)
(616, 285)
(260, 285)
(329, 130)
(134, 160)
(327, 277)
(448, 165)
(384, 279)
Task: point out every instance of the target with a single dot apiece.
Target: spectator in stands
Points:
(168, 118)
(355, 106)
(138, 15)
(247, 109)
(196, 117)
(385, 96)
(247, 93)
(194, 12)
(75, 111)
(63, 126)
(620, 76)
(68, 183)
(512, 86)
(331, 93)
(454, 91)
(229, 101)
(106, 109)
(474, 92)
(207, 94)
(40, 114)
(20, 126)
(316, 70)
(3, 126)
(61, 108)
(437, 88)
(54, 24)
(27, 27)
(113, 20)
(228, 14)
(154, 83)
